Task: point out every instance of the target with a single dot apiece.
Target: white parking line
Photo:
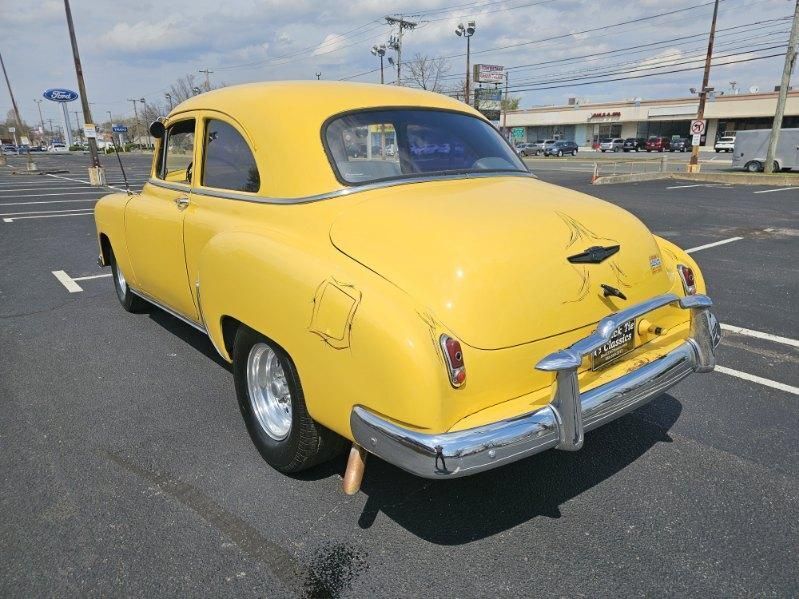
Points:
(44, 212)
(47, 188)
(82, 181)
(46, 202)
(758, 379)
(760, 335)
(684, 186)
(63, 193)
(712, 245)
(773, 190)
(16, 218)
(69, 282)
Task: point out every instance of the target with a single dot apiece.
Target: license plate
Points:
(621, 341)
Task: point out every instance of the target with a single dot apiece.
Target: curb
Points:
(733, 178)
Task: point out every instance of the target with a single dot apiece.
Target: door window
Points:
(177, 154)
(228, 161)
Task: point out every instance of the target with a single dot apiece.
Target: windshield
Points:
(427, 142)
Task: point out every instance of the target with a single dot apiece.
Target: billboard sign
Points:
(489, 102)
(489, 73)
(57, 94)
(119, 129)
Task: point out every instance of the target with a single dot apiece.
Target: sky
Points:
(134, 49)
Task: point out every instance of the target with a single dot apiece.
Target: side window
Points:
(228, 162)
(177, 153)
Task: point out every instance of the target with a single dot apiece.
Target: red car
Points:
(658, 144)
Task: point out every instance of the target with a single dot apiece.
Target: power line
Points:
(539, 88)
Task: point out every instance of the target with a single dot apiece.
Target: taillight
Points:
(688, 280)
(453, 356)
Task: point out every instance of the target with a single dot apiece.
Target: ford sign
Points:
(119, 129)
(60, 95)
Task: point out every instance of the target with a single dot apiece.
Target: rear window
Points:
(390, 144)
(727, 139)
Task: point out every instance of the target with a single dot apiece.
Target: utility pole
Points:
(146, 126)
(41, 120)
(207, 78)
(136, 126)
(505, 112)
(790, 61)
(396, 44)
(77, 123)
(51, 128)
(96, 172)
(31, 163)
(693, 165)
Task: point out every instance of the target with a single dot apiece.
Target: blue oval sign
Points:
(57, 94)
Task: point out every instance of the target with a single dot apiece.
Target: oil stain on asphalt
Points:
(330, 572)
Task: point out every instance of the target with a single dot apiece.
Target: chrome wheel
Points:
(269, 392)
(121, 282)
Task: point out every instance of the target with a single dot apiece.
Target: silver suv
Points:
(613, 145)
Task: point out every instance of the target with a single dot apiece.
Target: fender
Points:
(673, 255)
(348, 330)
(109, 218)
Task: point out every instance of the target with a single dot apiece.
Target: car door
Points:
(154, 221)
(226, 187)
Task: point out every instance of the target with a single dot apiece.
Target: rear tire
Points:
(129, 300)
(273, 406)
(574, 152)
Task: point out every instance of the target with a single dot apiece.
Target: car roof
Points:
(265, 112)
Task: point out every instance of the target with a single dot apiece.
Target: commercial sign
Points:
(489, 102)
(605, 115)
(56, 94)
(517, 133)
(119, 129)
(698, 127)
(89, 130)
(489, 73)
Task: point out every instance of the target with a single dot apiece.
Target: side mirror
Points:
(157, 129)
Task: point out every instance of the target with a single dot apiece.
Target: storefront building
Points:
(588, 123)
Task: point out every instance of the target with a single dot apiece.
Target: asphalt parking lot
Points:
(127, 469)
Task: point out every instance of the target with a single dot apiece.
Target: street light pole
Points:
(693, 165)
(379, 51)
(467, 32)
(96, 173)
(77, 123)
(790, 61)
(169, 99)
(136, 122)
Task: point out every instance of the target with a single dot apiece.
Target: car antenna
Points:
(122, 168)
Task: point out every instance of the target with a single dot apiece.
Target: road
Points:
(127, 469)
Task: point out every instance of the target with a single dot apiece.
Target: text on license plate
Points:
(621, 341)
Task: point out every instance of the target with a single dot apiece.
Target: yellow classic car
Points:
(380, 268)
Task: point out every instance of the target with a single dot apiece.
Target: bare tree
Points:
(427, 72)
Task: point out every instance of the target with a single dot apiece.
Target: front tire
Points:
(273, 406)
(129, 300)
(560, 153)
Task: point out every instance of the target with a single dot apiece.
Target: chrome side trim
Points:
(259, 199)
(168, 310)
(169, 185)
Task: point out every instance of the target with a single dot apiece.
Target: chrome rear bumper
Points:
(560, 424)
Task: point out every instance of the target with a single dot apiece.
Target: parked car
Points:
(560, 148)
(634, 144)
(350, 294)
(542, 145)
(615, 144)
(9, 150)
(58, 147)
(37, 148)
(526, 149)
(680, 144)
(658, 144)
(725, 144)
(751, 148)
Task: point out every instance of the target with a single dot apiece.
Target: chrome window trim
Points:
(259, 199)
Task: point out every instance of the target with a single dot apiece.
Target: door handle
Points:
(182, 202)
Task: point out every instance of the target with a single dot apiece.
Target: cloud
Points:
(149, 38)
(332, 43)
